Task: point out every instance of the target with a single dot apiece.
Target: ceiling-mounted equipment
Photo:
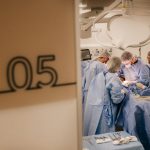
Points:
(128, 7)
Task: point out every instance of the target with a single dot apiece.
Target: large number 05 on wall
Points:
(41, 69)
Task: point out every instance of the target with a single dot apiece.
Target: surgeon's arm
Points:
(144, 75)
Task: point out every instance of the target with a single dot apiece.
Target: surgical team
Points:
(106, 83)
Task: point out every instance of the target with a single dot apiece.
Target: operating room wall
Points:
(99, 36)
(38, 79)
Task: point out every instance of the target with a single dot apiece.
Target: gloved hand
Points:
(127, 83)
(140, 86)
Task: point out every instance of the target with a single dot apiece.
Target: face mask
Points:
(128, 66)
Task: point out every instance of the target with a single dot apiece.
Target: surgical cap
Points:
(100, 53)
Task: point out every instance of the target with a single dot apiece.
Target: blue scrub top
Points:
(138, 72)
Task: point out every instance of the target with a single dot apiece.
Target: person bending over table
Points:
(94, 67)
(104, 94)
(146, 91)
(134, 72)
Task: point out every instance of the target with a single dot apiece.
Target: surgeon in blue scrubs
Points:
(104, 94)
(133, 70)
(146, 89)
(84, 65)
(94, 67)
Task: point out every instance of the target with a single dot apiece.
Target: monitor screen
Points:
(85, 54)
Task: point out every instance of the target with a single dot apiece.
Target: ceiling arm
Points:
(101, 15)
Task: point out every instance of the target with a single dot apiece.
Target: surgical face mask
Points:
(128, 65)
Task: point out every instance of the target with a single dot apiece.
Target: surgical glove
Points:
(140, 86)
(127, 83)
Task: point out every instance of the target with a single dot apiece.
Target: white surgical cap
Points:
(100, 53)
